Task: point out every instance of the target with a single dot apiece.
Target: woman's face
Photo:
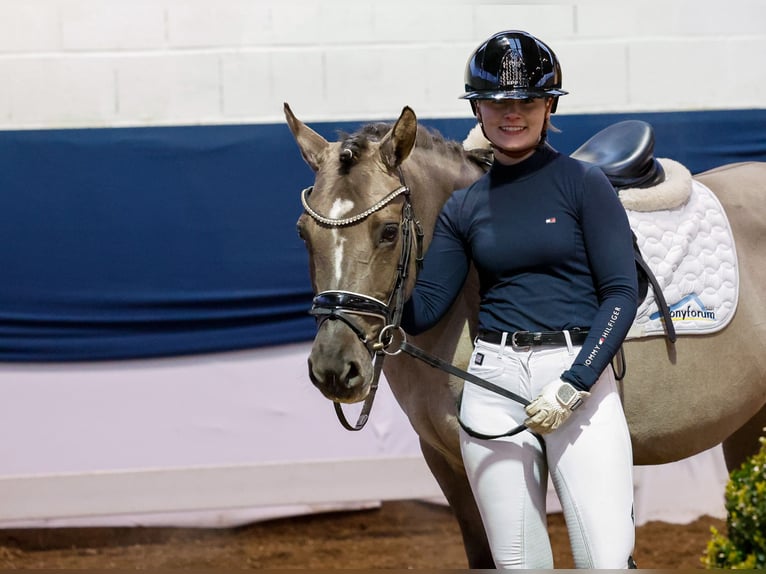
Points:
(514, 125)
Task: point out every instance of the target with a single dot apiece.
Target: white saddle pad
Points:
(690, 248)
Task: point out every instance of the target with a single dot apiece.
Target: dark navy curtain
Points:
(122, 243)
(146, 242)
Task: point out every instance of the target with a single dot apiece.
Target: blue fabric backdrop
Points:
(144, 242)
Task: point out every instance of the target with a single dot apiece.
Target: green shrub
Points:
(745, 546)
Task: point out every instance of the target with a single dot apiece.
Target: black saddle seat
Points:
(625, 153)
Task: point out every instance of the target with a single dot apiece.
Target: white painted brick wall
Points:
(31, 26)
(111, 26)
(173, 86)
(94, 63)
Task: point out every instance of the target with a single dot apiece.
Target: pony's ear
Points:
(397, 144)
(311, 144)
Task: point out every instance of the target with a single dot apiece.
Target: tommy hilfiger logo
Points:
(550, 220)
(604, 336)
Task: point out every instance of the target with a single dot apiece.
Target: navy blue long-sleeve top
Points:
(553, 249)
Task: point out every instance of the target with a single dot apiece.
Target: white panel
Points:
(41, 498)
(680, 492)
(192, 434)
(227, 438)
(222, 409)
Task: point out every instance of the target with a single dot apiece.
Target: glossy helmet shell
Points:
(513, 65)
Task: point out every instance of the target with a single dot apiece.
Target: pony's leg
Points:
(454, 485)
(744, 442)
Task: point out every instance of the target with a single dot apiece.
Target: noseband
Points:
(344, 305)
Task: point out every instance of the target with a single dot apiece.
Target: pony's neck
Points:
(433, 176)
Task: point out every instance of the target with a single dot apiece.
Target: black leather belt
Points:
(534, 339)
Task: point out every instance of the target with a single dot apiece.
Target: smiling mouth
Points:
(512, 129)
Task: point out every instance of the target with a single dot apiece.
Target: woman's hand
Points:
(554, 405)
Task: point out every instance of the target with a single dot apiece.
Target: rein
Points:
(344, 305)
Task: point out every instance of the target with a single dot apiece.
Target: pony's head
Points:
(359, 232)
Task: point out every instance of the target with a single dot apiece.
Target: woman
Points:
(553, 249)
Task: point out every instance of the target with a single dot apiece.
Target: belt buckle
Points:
(516, 343)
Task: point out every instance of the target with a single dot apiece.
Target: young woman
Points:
(553, 249)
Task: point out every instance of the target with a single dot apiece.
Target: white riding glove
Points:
(554, 405)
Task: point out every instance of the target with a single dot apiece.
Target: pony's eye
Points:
(390, 233)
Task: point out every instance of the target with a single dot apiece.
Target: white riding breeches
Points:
(589, 459)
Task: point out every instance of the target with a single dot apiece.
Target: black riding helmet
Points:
(513, 65)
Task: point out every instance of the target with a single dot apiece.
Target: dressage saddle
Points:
(625, 153)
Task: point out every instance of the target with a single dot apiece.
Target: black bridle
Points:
(345, 305)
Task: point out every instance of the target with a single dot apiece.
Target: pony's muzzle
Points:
(340, 377)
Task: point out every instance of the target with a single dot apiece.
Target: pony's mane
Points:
(355, 144)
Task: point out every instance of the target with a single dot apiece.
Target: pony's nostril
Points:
(354, 372)
(321, 380)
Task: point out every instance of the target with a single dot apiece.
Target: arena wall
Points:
(92, 449)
